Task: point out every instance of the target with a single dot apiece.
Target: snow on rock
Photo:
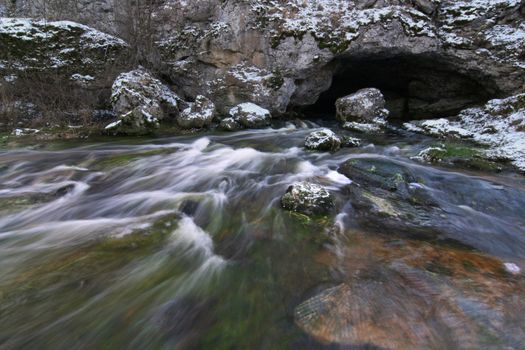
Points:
(250, 115)
(323, 140)
(37, 45)
(141, 101)
(244, 82)
(307, 198)
(336, 23)
(200, 114)
(500, 124)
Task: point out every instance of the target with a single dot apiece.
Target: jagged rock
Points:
(141, 101)
(364, 105)
(307, 198)
(323, 140)
(200, 114)
(250, 115)
(499, 124)
(281, 54)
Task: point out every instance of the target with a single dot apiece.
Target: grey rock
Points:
(323, 140)
(141, 102)
(250, 115)
(200, 114)
(364, 105)
(308, 198)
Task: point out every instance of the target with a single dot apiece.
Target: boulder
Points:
(323, 140)
(200, 114)
(308, 198)
(250, 115)
(63, 48)
(364, 105)
(141, 102)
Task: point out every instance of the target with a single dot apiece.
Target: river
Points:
(180, 242)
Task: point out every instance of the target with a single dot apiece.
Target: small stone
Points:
(323, 140)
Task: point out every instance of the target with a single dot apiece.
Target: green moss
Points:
(276, 81)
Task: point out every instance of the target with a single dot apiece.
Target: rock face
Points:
(250, 115)
(141, 102)
(307, 198)
(428, 57)
(499, 124)
(286, 53)
(200, 114)
(323, 140)
(363, 106)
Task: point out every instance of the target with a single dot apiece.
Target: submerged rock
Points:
(141, 102)
(200, 114)
(323, 140)
(364, 105)
(250, 115)
(307, 198)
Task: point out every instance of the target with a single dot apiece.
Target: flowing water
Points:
(181, 243)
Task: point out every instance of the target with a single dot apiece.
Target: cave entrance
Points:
(414, 87)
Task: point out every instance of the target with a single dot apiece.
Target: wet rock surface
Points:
(307, 198)
(324, 140)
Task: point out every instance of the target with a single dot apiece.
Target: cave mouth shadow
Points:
(415, 87)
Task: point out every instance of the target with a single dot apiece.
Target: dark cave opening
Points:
(415, 87)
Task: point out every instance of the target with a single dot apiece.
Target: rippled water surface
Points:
(181, 243)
